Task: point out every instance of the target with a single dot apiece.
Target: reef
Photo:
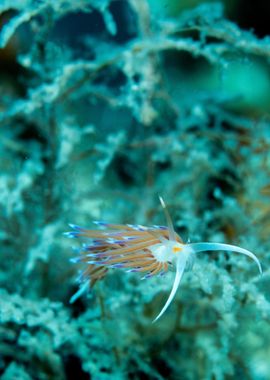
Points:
(104, 106)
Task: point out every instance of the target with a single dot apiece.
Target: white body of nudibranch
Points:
(181, 255)
(138, 248)
(170, 250)
(177, 254)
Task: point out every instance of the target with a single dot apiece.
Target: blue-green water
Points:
(106, 105)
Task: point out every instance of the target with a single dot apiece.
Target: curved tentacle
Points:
(201, 247)
(180, 267)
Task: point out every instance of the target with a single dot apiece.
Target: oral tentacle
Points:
(201, 247)
(180, 267)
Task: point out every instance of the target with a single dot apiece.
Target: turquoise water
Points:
(106, 106)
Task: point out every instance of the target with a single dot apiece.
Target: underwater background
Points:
(104, 105)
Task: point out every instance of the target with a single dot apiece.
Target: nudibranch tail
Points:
(82, 289)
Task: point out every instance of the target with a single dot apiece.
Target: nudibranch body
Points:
(136, 248)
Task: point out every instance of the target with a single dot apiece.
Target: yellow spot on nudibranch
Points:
(176, 249)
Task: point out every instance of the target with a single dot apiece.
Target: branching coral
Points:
(96, 121)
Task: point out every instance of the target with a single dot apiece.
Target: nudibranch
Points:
(136, 248)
